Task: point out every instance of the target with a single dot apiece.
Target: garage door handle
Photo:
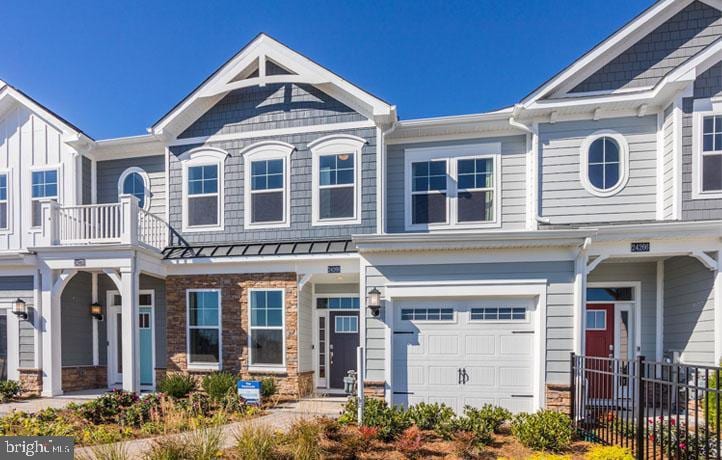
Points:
(522, 332)
(522, 396)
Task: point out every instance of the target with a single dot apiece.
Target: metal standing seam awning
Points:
(260, 249)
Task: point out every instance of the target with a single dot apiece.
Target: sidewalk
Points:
(280, 418)
(56, 402)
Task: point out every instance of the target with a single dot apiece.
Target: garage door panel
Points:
(443, 344)
(516, 405)
(480, 345)
(516, 344)
(443, 375)
(481, 377)
(518, 378)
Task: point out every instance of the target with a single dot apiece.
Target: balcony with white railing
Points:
(100, 224)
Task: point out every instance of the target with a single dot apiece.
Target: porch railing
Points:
(657, 410)
(122, 222)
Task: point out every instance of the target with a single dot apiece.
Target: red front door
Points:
(599, 325)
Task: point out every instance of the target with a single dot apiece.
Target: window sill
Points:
(452, 227)
(267, 370)
(321, 223)
(204, 367)
(268, 225)
(199, 229)
(706, 195)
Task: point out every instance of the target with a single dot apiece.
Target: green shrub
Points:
(108, 407)
(430, 416)
(218, 384)
(268, 387)
(177, 385)
(304, 440)
(390, 421)
(480, 424)
(9, 390)
(713, 400)
(493, 415)
(43, 423)
(169, 449)
(204, 444)
(543, 430)
(609, 453)
(257, 442)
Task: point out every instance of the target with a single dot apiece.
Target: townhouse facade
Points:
(278, 217)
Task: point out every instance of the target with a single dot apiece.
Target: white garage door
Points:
(464, 352)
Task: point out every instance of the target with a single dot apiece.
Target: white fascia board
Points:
(680, 230)
(466, 288)
(610, 48)
(349, 263)
(127, 147)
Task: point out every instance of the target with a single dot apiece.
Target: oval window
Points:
(135, 185)
(604, 164)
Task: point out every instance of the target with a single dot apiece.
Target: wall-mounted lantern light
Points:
(96, 311)
(374, 301)
(20, 309)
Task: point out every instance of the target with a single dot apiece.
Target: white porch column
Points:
(660, 312)
(52, 355)
(129, 308)
(580, 295)
(718, 310)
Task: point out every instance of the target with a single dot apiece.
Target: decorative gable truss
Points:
(263, 62)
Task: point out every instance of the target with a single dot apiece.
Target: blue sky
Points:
(114, 67)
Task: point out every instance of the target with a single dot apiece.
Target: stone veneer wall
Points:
(31, 381)
(373, 389)
(559, 398)
(234, 325)
(77, 378)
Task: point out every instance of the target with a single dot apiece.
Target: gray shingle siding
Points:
(87, 167)
(109, 172)
(301, 197)
(14, 287)
(646, 62)
(689, 310)
(564, 199)
(560, 299)
(270, 107)
(707, 85)
(513, 180)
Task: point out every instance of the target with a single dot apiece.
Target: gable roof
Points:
(10, 95)
(258, 64)
(629, 34)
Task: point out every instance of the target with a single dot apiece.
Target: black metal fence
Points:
(657, 410)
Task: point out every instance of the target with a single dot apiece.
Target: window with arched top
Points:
(134, 181)
(605, 165)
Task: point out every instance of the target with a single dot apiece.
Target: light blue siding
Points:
(109, 172)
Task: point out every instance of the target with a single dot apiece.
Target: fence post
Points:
(641, 401)
(572, 390)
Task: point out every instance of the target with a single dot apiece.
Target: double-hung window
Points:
(4, 201)
(44, 186)
(267, 179)
(204, 332)
(711, 154)
(336, 179)
(267, 329)
(203, 189)
(457, 186)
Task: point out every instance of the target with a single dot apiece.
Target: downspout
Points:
(531, 130)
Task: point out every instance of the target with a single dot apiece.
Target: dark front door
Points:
(343, 340)
(600, 344)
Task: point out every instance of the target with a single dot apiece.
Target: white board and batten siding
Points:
(29, 142)
(564, 199)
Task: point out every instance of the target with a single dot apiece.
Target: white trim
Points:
(451, 155)
(260, 151)
(623, 163)
(702, 108)
(636, 302)
(718, 309)
(8, 172)
(146, 184)
(204, 156)
(336, 144)
(659, 316)
(677, 136)
(660, 166)
(533, 288)
(263, 367)
(272, 133)
(58, 168)
(204, 366)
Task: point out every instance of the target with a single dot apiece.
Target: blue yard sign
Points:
(250, 390)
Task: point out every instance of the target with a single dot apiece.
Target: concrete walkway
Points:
(279, 418)
(56, 402)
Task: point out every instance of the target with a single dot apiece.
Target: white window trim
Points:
(596, 311)
(350, 317)
(702, 108)
(9, 202)
(204, 366)
(336, 144)
(623, 163)
(146, 183)
(58, 197)
(203, 156)
(263, 367)
(267, 150)
(452, 154)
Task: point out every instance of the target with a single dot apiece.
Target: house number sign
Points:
(640, 247)
(79, 262)
(334, 269)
